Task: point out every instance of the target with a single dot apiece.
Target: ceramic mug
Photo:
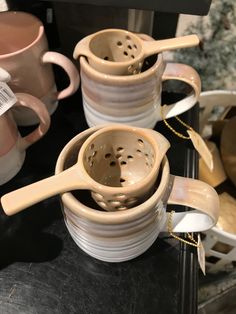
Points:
(12, 145)
(122, 235)
(24, 54)
(135, 99)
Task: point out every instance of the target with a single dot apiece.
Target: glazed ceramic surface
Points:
(123, 235)
(24, 54)
(119, 164)
(120, 52)
(12, 145)
(134, 99)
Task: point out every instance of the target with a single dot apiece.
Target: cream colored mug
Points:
(135, 99)
(123, 235)
(24, 55)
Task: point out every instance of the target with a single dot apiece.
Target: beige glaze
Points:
(120, 52)
(118, 163)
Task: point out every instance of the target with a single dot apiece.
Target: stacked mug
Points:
(26, 67)
(113, 95)
(114, 178)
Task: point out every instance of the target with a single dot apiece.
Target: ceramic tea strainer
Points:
(118, 163)
(120, 52)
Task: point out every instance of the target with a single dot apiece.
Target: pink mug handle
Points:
(69, 68)
(29, 101)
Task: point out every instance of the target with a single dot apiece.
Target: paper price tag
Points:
(201, 255)
(200, 145)
(7, 98)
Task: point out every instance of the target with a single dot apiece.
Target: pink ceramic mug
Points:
(24, 54)
(12, 145)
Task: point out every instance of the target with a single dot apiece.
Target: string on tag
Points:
(192, 241)
(172, 129)
(196, 139)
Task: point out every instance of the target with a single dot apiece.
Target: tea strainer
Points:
(120, 52)
(119, 164)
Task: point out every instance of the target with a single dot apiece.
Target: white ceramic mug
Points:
(122, 235)
(24, 54)
(12, 145)
(135, 99)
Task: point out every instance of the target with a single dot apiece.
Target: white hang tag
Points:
(201, 147)
(201, 255)
(7, 98)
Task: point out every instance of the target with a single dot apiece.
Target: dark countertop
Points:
(43, 271)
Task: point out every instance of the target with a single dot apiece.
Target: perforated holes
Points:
(94, 153)
(122, 180)
(106, 58)
(114, 203)
(102, 204)
(140, 141)
(121, 207)
(123, 163)
(108, 155)
(120, 149)
(125, 53)
(129, 47)
(135, 47)
(119, 43)
(112, 163)
(130, 201)
(118, 156)
(139, 152)
(132, 56)
(130, 157)
(127, 37)
(120, 196)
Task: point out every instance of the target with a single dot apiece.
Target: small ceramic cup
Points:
(24, 54)
(12, 145)
(123, 235)
(134, 99)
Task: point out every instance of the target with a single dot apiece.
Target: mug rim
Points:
(38, 37)
(120, 79)
(104, 217)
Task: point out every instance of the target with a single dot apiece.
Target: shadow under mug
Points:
(135, 99)
(12, 145)
(24, 54)
(123, 235)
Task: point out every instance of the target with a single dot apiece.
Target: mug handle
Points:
(195, 194)
(184, 73)
(29, 101)
(68, 67)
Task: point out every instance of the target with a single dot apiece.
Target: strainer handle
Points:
(157, 46)
(195, 194)
(186, 74)
(15, 201)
